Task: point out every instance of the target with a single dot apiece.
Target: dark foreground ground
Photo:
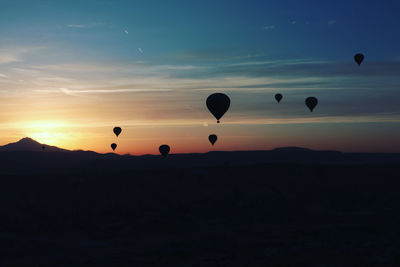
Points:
(223, 215)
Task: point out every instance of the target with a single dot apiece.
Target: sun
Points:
(47, 132)
(49, 138)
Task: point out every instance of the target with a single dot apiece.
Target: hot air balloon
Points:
(43, 147)
(164, 150)
(278, 97)
(113, 146)
(117, 130)
(359, 58)
(311, 102)
(218, 104)
(212, 138)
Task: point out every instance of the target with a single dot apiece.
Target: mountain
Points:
(292, 149)
(28, 144)
(28, 155)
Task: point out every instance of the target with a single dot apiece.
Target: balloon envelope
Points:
(311, 102)
(212, 138)
(113, 146)
(164, 150)
(117, 130)
(359, 58)
(218, 104)
(278, 97)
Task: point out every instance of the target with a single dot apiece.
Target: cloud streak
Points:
(77, 26)
(251, 84)
(83, 26)
(269, 27)
(76, 92)
(14, 54)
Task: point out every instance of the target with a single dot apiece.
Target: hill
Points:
(28, 144)
(27, 156)
(284, 207)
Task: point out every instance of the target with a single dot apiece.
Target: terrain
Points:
(284, 207)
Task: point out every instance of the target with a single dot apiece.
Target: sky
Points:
(72, 70)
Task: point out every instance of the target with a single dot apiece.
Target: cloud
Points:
(24, 71)
(269, 27)
(331, 22)
(8, 58)
(317, 119)
(138, 68)
(14, 54)
(294, 22)
(304, 68)
(126, 32)
(140, 50)
(251, 81)
(277, 62)
(250, 76)
(77, 26)
(82, 26)
(106, 91)
(217, 55)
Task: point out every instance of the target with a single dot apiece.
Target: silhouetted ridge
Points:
(28, 144)
(292, 148)
(23, 161)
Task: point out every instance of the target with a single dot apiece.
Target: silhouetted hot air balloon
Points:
(359, 58)
(278, 97)
(212, 138)
(311, 102)
(113, 146)
(164, 150)
(117, 130)
(218, 104)
(43, 147)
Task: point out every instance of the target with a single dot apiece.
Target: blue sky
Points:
(155, 62)
(330, 30)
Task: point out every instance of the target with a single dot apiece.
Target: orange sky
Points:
(186, 136)
(151, 116)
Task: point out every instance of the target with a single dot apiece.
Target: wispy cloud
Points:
(77, 26)
(126, 32)
(269, 27)
(8, 58)
(217, 55)
(331, 22)
(278, 62)
(250, 82)
(24, 71)
(139, 67)
(14, 54)
(82, 26)
(107, 91)
(140, 50)
(317, 119)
